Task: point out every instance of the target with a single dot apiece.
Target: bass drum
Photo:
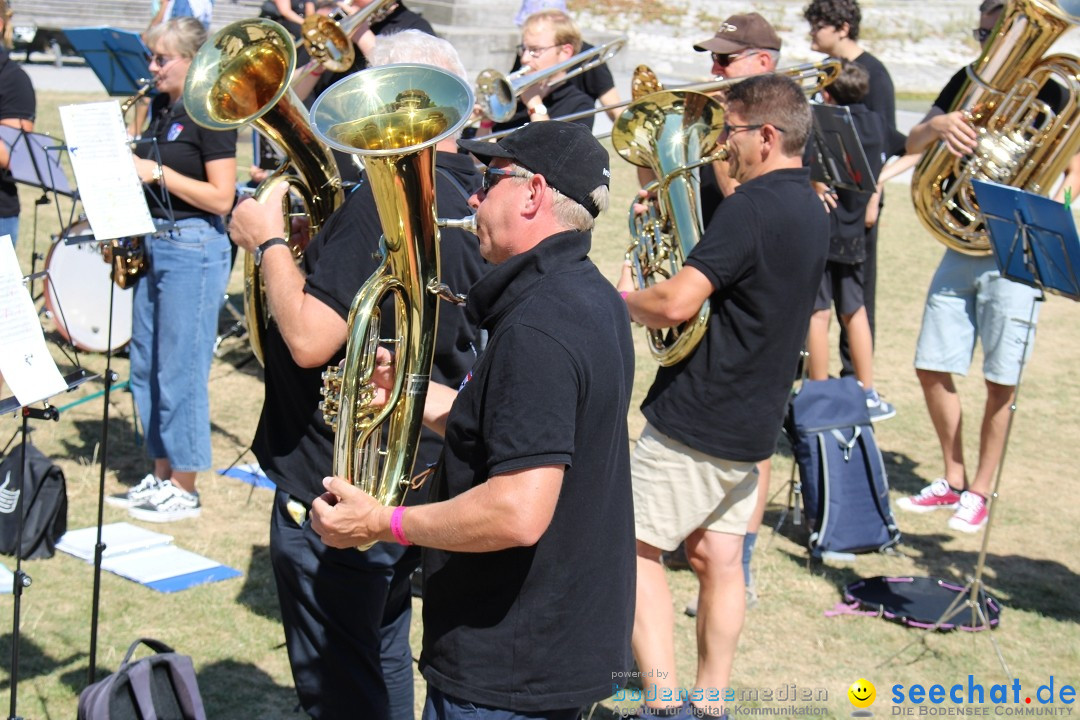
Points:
(77, 293)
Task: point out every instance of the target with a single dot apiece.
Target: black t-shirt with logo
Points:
(293, 444)
(17, 102)
(183, 146)
(764, 253)
(541, 627)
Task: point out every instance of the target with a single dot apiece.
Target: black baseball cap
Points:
(565, 153)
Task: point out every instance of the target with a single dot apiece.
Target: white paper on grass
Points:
(157, 563)
(109, 187)
(25, 362)
(119, 538)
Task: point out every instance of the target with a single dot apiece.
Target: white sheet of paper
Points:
(25, 362)
(110, 190)
(157, 563)
(119, 538)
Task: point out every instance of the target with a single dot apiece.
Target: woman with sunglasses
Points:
(189, 176)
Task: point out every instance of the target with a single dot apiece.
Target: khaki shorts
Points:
(678, 490)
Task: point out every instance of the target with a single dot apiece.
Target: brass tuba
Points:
(1022, 141)
(672, 133)
(240, 76)
(394, 116)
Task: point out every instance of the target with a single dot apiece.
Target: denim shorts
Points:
(441, 706)
(969, 301)
(173, 328)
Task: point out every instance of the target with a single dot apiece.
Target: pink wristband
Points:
(395, 525)
(623, 294)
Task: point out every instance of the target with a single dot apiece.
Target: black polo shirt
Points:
(18, 102)
(563, 100)
(764, 253)
(293, 444)
(183, 146)
(541, 627)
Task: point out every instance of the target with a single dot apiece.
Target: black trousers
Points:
(869, 293)
(346, 615)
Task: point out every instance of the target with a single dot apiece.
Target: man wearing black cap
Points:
(714, 415)
(528, 536)
(346, 614)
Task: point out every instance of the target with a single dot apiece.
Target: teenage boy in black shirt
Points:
(339, 606)
(714, 415)
(530, 509)
(844, 280)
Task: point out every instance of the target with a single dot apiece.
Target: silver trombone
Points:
(497, 93)
(811, 77)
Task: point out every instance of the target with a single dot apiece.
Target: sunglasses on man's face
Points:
(980, 34)
(493, 175)
(725, 59)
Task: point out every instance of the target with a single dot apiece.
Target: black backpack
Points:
(44, 495)
(159, 687)
(844, 488)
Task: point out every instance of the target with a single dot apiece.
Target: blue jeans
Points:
(440, 706)
(173, 327)
(10, 226)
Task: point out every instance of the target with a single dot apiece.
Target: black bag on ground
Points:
(44, 495)
(159, 687)
(844, 488)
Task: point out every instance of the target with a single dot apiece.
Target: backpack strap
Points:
(139, 677)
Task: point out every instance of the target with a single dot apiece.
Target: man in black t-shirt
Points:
(834, 30)
(340, 606)
(715, 414)
(530, 511)
(18, 106)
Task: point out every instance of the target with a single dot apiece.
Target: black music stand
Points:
(20, 580)
(119, 58)
(838, 158)
(35, 161)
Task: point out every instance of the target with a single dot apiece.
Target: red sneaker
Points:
(971, 514)
(935, 496)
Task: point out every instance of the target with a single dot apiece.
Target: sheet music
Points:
(25, 362)
(101, 159)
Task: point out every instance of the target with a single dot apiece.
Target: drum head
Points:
(77, 293)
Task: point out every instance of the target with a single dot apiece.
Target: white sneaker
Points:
(138, 494)
(169, 503)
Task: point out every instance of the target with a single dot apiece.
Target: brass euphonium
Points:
(394, 116)
(672, 133)
(1022, 141)
(240, 76)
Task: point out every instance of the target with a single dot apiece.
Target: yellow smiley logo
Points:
(862, 693)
